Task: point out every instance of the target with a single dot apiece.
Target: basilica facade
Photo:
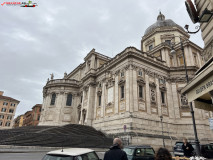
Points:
(126, 95)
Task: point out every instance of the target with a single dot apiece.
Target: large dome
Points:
(161, 22)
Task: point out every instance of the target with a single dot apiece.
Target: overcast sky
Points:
(55, 36)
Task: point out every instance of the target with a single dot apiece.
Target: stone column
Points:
(188, 55)
(175, 100)
(57, 109)
(147, 94)
(169, 100)
(127, 90)
(90, 105)
(63, 97)
(158, 97)
(116, 95)
(96, 103)
(103, 98)
(131, 82)
(135, 90)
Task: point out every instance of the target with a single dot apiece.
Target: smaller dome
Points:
(161, 22)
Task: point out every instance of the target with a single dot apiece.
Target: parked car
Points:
(206, 150)
(142, 152)
(178, 151)
(71, 154)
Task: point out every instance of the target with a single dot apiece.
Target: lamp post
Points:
(161, 118)
(190, 104)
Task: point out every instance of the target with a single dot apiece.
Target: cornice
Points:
(131, 54)
(165, 29)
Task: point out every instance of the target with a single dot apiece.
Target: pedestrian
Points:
(187, 148)
(163, 154)
(116, 152)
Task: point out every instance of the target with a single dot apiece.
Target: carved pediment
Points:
(152, 84)
(122, 81)
(99, 93)
(141, 81)
(163, 87)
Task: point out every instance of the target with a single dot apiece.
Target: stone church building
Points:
(126, 95)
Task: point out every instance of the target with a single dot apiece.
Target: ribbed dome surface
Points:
(161, 22)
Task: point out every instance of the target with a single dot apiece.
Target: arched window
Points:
(84, 115)
(69, 100)
(53, 99)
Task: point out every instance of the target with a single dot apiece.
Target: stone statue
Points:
(48, 79)
(65, 74)
(52, 76)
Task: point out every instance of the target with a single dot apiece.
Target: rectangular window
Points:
(122, 74)
(11, 111)
(5, 103)
(99, 100)
(122, 92)
(150, 47)
(3, 109)
(162, 97)
(1, 123)
(38, 117)
(140, 91)
(69, 100)
(81, 99)
(168, 42)
(1, 116)
(140, 73)
(9, 117)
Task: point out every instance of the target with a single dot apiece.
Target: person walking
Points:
(187, 148)
(163, 154)
(115, 152)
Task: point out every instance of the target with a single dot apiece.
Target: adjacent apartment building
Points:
(18, 121)
(31, 118)
(8, 107)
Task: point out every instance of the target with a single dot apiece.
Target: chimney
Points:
(1, 93)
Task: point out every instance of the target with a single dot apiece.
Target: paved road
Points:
(30, 156)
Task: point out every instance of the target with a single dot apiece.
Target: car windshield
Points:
(149, 152)
(88, 156)
(179, 144)
(57, 157)
(144, 152)
(129, 151)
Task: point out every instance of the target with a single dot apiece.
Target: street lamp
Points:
(161, 118)
(206, 16)
(191, 107)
